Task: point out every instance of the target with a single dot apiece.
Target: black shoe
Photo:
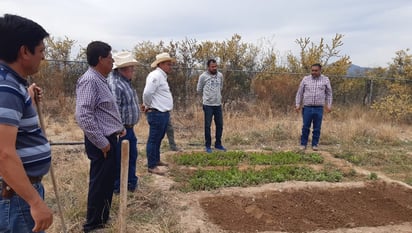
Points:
(175, 148)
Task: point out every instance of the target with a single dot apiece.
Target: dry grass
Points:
(378, 145)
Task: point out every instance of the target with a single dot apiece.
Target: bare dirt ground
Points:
(376, 206)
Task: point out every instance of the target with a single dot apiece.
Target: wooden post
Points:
(124, 170)
(53, 177)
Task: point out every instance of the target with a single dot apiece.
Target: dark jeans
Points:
(215, 112)
(311, 115)
(132, 178)
(157, 130)
(101, 181)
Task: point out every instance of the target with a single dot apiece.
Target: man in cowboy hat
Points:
(128, 104)
(157, 103)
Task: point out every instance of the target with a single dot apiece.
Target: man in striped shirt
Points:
(97, 115)
(128, 104)
(25, 154)
(314, 93)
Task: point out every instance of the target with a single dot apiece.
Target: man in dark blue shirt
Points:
(25, 154)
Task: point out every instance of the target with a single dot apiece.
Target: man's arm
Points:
(299, 96)
(200, 84)
(152, 83)
(329, 96)
(12, 171)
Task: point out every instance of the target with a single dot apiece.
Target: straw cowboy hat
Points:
(162, 58)
(123, 59)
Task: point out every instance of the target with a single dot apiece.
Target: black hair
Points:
(318, 65)
(17, 31)
(97, 49)
(210, 61)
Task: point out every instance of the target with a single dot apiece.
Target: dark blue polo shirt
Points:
(16, 109)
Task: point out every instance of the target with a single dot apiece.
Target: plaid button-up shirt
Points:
(126, 98)
(96, 110)
(314, 92)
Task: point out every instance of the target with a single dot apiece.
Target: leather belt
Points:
(155, 110)
(313, 106)
(8, 192)
(128, 126)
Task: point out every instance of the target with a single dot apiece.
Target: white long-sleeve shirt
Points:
(156, 93)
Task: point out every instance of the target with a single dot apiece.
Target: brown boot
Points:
(161, 163)
(156, 171)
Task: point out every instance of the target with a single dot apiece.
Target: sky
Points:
(373, 29)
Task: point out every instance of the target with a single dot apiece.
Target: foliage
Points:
(373, 176)
(253, 73)
(397, 108)
(278, 91)
(397, 105)
(235, 59)
(58, 74)
(213, 179)
(322, 53)
(279, 169)
(234, 158)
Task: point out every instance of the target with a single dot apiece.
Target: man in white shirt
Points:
(157, 104)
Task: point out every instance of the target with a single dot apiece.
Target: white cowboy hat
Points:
(162, 58)
(123, 59)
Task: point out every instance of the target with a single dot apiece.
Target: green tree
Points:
(397, 105)
(187, 63)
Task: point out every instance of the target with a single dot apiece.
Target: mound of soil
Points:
(309, 209)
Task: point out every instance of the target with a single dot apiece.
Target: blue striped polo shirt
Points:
(16, 109)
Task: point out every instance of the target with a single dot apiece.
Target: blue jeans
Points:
(311, 115)
(132, 178)
(15, 214)
(157, 130)
(216, 112)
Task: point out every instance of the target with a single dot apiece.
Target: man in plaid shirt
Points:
(98, 116)
(314, 94)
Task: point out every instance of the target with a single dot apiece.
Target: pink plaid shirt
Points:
(314, 92)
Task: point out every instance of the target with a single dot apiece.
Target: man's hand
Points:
(143, 108)
(297, 108)
(123, 133)
(328, 109)
(35, 92)
(42, 216)
(105, 150)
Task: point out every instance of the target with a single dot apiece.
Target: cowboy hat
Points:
(123, 59)
(162, 58)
